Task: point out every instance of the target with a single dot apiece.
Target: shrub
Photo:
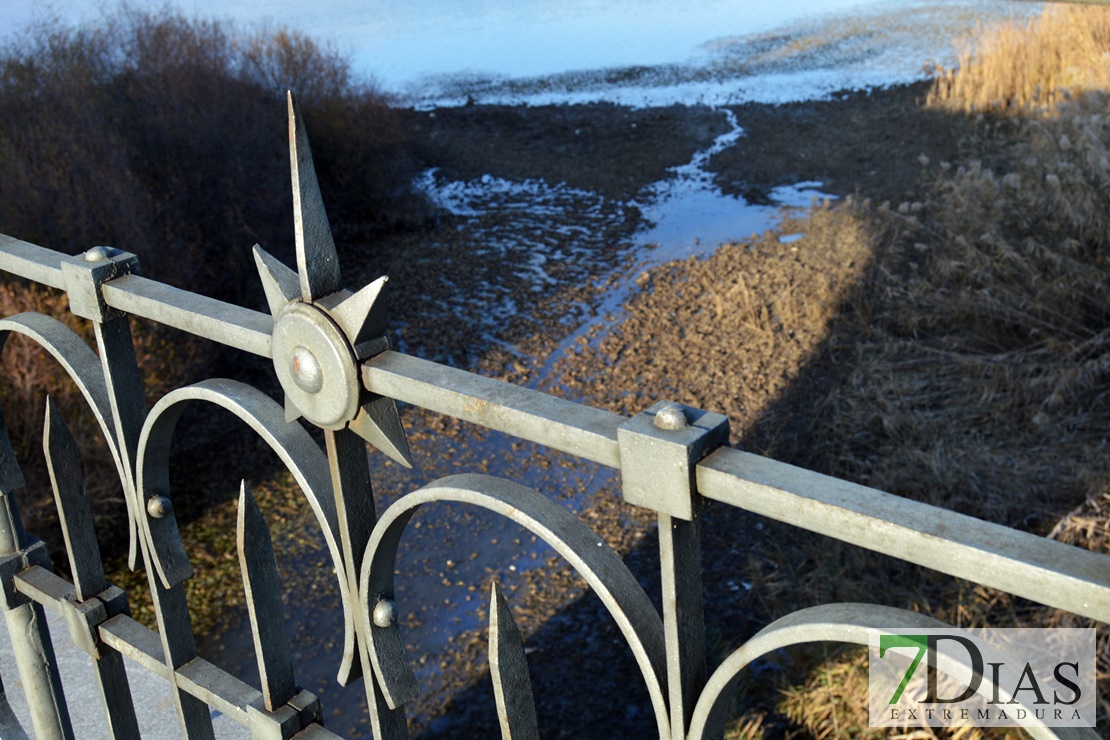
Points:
(166, 136)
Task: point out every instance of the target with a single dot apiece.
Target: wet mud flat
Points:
(470, 291)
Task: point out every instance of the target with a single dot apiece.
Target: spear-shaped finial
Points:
(317, 261)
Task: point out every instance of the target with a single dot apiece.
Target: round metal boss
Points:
(305, 369)
(315, 366)
(385, 613)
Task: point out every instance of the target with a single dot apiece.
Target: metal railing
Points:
(335, 367)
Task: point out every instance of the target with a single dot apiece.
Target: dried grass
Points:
(980, 346)
(716, 304)
(971, 358)
(166, 136)
(1035, 63)
(984, 367)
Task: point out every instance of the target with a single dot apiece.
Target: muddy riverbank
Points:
(572, 185)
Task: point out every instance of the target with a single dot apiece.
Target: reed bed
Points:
(1062, 52)
(979, 345)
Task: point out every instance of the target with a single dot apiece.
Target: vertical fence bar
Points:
(354, 504)
(683, 617)
(125, 392)
(262, 587)
(121, 373)
(34, 651)
(508, 666)
(75, 514)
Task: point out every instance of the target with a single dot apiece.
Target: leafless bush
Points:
(166, 136)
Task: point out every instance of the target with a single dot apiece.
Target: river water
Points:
(440, 50)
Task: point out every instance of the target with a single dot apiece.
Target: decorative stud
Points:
(385, 613)
(97, 254)
(158, 506)
(305, 369)
(671, 418)
(660, 449)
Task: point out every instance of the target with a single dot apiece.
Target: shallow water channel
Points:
(449, 553)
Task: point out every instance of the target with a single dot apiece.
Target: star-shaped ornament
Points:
(321, 331)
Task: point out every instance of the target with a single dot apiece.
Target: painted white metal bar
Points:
(205, 317)
(33, 262)
(528, 414)
(1021, 563)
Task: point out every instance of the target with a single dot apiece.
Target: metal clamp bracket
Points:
(85, 273)
(17, 562)
(285, 721)
(82, 619)
(659, 449)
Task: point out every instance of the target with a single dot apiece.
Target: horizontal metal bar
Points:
(1021, 563)
(136, 642)
(31, 261)
(316, 732)
(199, 678)
(562, 425)
(212, 685)
(205, 317)
(219, 689)
(45, 588)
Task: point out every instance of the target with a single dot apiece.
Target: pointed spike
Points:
(317, 261)
(362, 316)
(63, 463)
(11, 476)
(379, 424)
(75, 516)
(263, 592)
(512, 687)
(280, 283)
(292, 413)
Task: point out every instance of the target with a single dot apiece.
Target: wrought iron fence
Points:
(333, 361)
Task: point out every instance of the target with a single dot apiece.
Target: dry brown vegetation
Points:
(958, 354)
(1017, 66)
(979, 343)
(165, 136)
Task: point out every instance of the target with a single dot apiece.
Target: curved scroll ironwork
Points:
(847, 623)
(606, 574)
(83, 366)
(293, 445)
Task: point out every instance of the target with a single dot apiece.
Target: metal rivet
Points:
(158, 506)
(96, 254)
(385, 613)
(670, 418)
(305, 369)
